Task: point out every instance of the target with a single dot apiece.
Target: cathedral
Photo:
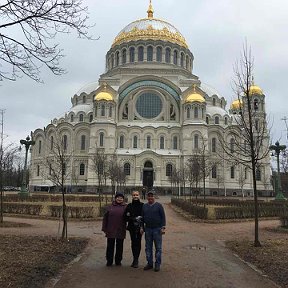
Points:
(150, 114)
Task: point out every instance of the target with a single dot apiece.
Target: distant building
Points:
(153, 113)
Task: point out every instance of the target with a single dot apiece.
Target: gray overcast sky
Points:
(214, 30)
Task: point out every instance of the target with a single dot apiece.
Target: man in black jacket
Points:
(133, 215)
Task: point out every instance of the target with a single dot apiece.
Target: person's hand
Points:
(163, 230)
(141, 231)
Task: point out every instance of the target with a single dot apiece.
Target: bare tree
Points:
(242, 178)
(100, 167)
(27, 29)
(248, 145)
(8, 156)
(57, 162)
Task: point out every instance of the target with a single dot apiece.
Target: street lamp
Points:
(27, 143)
(278, 148)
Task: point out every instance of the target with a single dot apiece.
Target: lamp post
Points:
(278, 148)
(27, 143)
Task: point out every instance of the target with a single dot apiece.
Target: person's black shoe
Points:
(148, 267)
(108, 264)
(157, 268)
(135, 264)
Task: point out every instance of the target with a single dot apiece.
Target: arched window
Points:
(168, 55)
(196, 112)
(65, 142)
(140, 54)
(82, 169)
(135, 142)
(175, 57)
(162, 141)
(124, 56)
(207, 120)
(246, 173)
(84, 99)
(256, 104)
(101, 139)
(121, 142)
(100, 168)
(258, 174)
(71, 118)
(214, 171)
(90, 117)
(226, 120)
(159, 54)
(148, 143)
(132, 54)
(39, 146)
(169, 169)
(232, 172)
(214, 142)
(38, 170)
(149, 53)
(51, 143)
(117, 58)
(83, 142)
(257, 125)
(112, 60)
(81, 117)
(188, 113)
(214, 102)
(64, 168)
(216, 120)
(102, 110)
(175, 142)
(110, 111)
(187, 62)
(127, 168)
(196, 141)
(182, 59)
(232, 145)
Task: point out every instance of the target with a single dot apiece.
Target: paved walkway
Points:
(193, 256)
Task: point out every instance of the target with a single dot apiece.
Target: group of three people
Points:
(148, 218)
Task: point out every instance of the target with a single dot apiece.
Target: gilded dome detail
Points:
(150, 28)
(195, 97)
(236, 104)
(254, 89)
(103, 95)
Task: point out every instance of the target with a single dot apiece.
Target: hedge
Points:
(21, 208)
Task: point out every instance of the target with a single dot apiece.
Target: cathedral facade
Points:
(151, 113)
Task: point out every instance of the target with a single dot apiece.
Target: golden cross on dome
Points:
(150, 10)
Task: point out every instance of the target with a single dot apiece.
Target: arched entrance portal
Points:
(148, 173)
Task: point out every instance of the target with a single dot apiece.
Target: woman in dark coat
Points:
(133, 216)
(114, 227)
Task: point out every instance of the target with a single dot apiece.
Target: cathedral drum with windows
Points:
(149, 114)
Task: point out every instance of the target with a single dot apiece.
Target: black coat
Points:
(132, 211)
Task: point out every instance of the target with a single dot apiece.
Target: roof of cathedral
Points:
(194, 97)
(150, 28)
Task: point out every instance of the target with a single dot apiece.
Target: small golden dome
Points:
(194, 97)
(103, 95)
(254, 89)
(236, 104)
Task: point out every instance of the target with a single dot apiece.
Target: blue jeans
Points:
(153, 235)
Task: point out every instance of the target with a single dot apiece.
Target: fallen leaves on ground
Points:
(271, 258)
(29, 261)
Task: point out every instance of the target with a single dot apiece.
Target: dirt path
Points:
(193, 256)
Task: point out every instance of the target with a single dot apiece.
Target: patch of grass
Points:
(7, 224)
(29, 261)
(271, 258)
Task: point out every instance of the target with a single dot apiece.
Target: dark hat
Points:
(151, 193)
(119, 194)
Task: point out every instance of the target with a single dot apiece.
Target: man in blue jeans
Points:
(154, 225)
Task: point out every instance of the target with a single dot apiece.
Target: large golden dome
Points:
(254, 89)
(236, 104)
(103, 95)
(150, 29)
(194, 97)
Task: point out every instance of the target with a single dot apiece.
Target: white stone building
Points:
(150, 110)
